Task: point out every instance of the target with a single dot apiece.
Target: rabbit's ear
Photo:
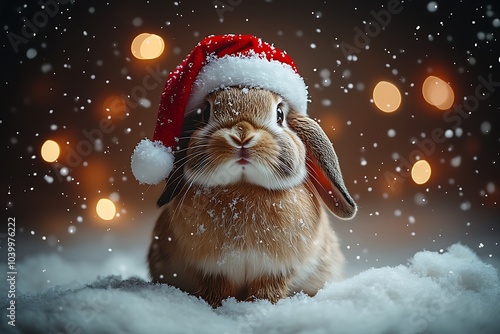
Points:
(175, 181)
(323, 165)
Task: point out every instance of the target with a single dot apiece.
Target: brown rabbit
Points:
(244, 215)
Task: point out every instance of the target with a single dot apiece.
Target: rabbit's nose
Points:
(242, 133)
(241, 142)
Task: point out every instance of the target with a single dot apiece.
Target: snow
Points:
(452, 292)
(46, 68)
(31, 53)
(456, 161)
(432, 6)
(485, 127)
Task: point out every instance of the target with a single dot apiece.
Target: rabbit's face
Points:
(244, 138)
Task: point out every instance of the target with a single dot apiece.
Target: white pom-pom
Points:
(151, 161)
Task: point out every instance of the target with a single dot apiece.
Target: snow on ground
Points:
(452, 292)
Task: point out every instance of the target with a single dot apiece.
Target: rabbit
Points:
(245, 207)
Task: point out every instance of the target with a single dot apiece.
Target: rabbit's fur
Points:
(244, 213)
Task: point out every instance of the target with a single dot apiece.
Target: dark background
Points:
(83, 57)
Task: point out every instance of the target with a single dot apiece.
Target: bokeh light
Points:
(386, 96)
(438, 92)
(421, 172)
(147, 46)
(50, 151)
(105, 209)
(114, 106)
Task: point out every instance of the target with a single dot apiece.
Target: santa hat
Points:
(216, 62)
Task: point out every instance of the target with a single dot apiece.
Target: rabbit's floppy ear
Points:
(175, 181)
(323, 165)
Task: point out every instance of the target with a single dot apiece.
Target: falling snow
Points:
(432, 6)
(75, 80)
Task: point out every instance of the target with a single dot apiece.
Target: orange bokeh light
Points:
(421, 172)
(50, 151)
(105, 209)
(438, 93)
(114, 106)
(147, 46)
(386, 96)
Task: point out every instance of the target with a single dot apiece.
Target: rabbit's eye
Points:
(279, 114)
(205, 114)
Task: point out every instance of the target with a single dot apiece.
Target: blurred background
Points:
(408, 92)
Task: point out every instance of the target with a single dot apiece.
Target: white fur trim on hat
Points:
(151, 161)
(250, 71)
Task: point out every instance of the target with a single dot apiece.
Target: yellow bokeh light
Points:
(50, 151)
(114, 106)
(147, 46)
(438, 93)
(105, 209)
(421, 172)
(136, 45)
(386, 96)
(152, 47)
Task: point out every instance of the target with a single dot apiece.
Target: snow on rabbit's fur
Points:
(453, 292)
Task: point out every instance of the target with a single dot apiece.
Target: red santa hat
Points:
(216, 62)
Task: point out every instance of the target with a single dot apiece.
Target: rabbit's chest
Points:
(235, 231)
